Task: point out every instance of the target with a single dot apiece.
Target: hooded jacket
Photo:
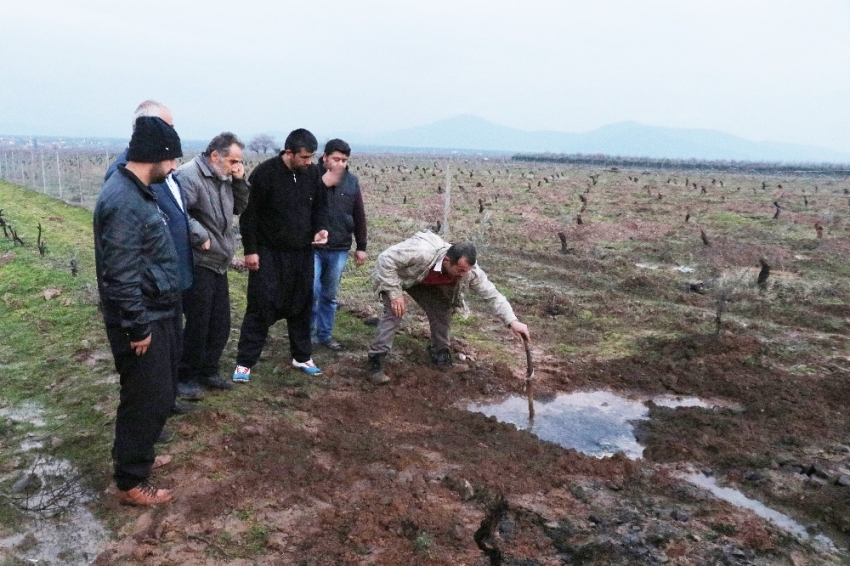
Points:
(407, 263)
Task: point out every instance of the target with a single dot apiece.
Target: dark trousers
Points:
(206, 305)
(435, 300)
(146, 398)
(281, 288)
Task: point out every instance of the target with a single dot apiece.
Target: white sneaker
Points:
(307, 367)
(242, 374)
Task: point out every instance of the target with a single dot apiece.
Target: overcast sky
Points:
(762, 69)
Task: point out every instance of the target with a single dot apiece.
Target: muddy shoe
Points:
(332, 345)
(442, 358)
(376, 370)
(145, 494)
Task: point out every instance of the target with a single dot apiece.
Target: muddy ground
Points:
(332, 470)
(403, 474)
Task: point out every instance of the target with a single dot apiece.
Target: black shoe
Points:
(441, 358)
(182, 408)
(216, 382)
(190, 391)
(165, 436)
(332, 345)
(376, 369)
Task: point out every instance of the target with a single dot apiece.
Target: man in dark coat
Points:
(139, 284)
(170, 200)
(286, 217)
(346, 218)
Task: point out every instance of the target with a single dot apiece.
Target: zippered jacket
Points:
(407, 263)
(175, 217)
(346, 214)
(135, 259)
(286, 209)
(211, 203)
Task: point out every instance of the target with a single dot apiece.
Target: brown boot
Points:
(145, 494)
(376, 371)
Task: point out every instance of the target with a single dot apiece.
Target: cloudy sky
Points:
(761, 69)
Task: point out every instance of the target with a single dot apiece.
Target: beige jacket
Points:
(407, 263)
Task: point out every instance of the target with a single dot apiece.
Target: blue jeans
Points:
(327, 273)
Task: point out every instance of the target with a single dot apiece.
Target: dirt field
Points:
(333, 470)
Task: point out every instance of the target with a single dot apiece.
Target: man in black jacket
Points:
(346, 217)
(170, 199)
(286, 216)
(139, 284)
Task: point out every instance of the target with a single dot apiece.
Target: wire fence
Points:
(72, 175)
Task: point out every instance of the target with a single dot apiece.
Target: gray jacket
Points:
(407, 263)
(211, 203)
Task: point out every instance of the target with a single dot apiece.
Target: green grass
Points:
(42, 337)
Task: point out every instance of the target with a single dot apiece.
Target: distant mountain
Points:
(627, 139)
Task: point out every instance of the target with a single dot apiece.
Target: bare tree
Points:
(262, 143)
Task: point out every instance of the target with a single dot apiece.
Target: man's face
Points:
(298, 161)
(161, 170)
(223, 164)
(335, 159)
(458, 269)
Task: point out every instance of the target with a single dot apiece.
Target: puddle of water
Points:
(63, 530)
(25, 413)
(595, 423)
(646, 266)
(673, 401)
(738, 499)
(28, 445)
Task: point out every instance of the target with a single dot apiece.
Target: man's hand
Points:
(141, 346)
(320, 238)
(252, 262)
(399, 306)
(237, 171)
(333, 175)
(360, 257)
(520, 330)
(206, 245)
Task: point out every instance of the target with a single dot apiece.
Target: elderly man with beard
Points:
(286, 217)
(139, 284)
(215, 190)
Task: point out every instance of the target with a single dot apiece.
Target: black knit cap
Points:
(153, 141)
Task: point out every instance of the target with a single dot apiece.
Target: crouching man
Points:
(437, 276)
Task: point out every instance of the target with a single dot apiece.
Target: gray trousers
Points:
(435, 300)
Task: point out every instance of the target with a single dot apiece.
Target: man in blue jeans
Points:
(346, 217)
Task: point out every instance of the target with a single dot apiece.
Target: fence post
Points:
(448, 200)
(59, 174)
(43, 176)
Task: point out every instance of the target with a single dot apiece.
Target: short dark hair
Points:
(463, 249)
(222, 142)
(337, 144)
(301, 139)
